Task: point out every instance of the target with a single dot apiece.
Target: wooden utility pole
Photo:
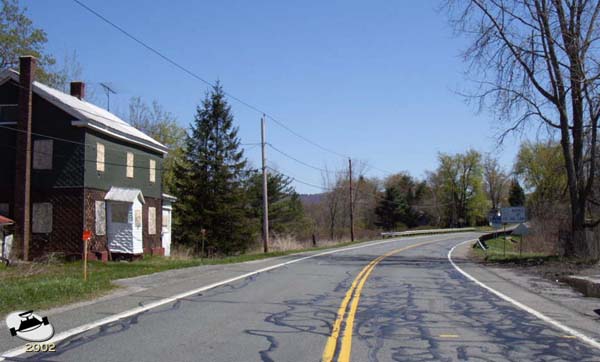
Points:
(265, 194)
(351, 200)
(22, 193)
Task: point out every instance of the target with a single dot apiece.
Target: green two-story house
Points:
(69, 166)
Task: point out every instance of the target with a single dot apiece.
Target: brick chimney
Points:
(78, 89)
(27, 67)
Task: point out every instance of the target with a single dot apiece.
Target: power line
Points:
(283, 171)
(62, 155)
(296, 179)
(299, 161)
(107, 147)
(316, 167)
(70, 141)
(281, 124)
(196, 76)
(388, 173)
(250, 148)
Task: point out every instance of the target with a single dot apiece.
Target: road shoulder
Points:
(555, 300)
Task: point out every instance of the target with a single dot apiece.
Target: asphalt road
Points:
(411, 305)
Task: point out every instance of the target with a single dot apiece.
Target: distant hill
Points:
(308, 199)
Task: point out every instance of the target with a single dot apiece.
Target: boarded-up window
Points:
(4, 209)
(41, 218)
(119, 213)
(152, 171)
(42, 154)
(99, 157)
(129, 164)
(100, 209)
(151, 220)
(138, 218)
(9, 113)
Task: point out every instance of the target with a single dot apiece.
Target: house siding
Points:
(68, 147)
(8, 144)
(67, 156)
(7, 168)
(98, 243)
(115, 166)
(67, 223)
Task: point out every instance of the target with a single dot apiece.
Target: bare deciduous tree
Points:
(161, 125)
(333, 199)
(495, 181)
(537, 60)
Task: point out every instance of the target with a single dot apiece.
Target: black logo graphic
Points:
(29, 326)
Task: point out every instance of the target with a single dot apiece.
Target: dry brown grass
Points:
(544, 236)
(289, 242)
(23, 269)
(181, 252)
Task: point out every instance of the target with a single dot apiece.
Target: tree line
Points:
(219, 207)
(534, 64)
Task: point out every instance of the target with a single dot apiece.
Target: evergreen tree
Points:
(393, 210)
(516, 196)
(286, 214)
(209, 181)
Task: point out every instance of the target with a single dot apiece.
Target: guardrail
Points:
(481, 241)
(393, 234)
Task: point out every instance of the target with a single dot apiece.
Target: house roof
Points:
(169, 197)
(124, 195)
(89, 115)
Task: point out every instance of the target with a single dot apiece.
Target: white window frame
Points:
(130, 162)
(152, 173)
(100, 157)
(43, 151)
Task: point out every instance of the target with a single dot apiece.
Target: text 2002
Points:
(40, 347)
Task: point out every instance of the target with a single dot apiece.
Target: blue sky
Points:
(375, 80)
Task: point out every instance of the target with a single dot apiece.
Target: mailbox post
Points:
(87, 235)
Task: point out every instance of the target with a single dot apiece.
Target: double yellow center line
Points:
(351, 299)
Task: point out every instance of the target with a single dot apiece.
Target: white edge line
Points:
(592, 342)
(86, 327)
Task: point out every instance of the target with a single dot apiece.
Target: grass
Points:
(496, 252)
(44, 285)
(39, 286)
